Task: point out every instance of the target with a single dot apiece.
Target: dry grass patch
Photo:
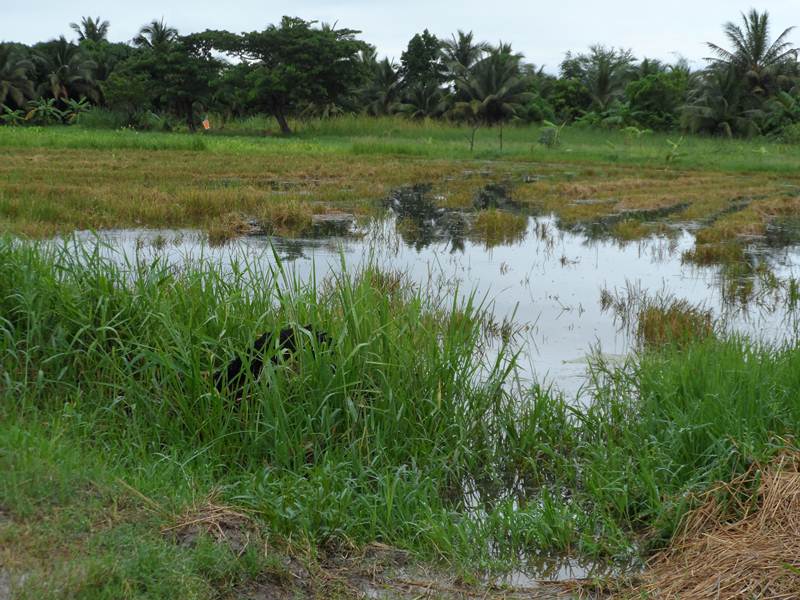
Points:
(714, 254)
(225, 524)
(48, 191)
(676, 321)
(494, 227)
(755, 554)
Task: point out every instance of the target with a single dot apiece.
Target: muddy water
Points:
(548, 279)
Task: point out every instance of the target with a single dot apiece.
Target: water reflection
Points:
(420, 222)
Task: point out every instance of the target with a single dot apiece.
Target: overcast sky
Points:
(543, 31)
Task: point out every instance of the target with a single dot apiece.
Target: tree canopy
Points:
(298, 69)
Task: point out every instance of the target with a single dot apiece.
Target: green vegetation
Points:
(397, 433)
(128, 474)
(303, 69)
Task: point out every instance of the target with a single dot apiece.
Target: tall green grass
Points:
(404, 430)
(386, 430)
(58, 136)
(395, 136)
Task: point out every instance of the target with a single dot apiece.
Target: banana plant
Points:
(75, 108)
(43, 111)
(10, 116)
(551, 134)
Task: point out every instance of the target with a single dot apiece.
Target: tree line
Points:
(304, 69)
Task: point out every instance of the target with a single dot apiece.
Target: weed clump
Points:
(631, 229)
(714, 254)
(657, 320)
(228, 228)
(495, 227)
(673, 322)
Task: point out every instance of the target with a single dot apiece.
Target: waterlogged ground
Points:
(565, 293)
(567, 245)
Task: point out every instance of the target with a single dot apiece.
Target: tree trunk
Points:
(281, 118)
(501, 138)
(189, 113)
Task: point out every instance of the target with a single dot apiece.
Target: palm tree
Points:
(495, 91)
(15, 83)
(65, 70)
(382, 95)
(368, 57)
(495, 88)
(715, 105)
(155, 34)
(91, 29)
(782, 110)
(505, 48)
(649, 66)
(424, 99)
(752, 54)
(606, 72)
(460, 53)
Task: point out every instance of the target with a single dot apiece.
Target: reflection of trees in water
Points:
(783, 232)
(420, 222)
(494, 195)
(290, 249)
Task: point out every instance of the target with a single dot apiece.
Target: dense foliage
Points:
(301, 69)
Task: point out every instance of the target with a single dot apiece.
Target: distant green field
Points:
(435, 139)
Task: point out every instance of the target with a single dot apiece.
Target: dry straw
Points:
(757, 555)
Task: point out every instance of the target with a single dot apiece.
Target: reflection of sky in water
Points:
(551, 281)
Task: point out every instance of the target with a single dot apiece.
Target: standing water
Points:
(555, 284)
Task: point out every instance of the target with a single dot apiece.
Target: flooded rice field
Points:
(566, 294)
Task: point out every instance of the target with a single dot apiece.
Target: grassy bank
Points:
(113, 436)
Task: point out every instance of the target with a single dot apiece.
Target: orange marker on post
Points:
(206, 124)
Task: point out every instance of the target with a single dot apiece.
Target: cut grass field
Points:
(127, 474)
(55, 180)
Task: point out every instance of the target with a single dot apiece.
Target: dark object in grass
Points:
(232, 378)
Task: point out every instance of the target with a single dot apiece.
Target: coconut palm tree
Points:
(156, 34)
(716, 105)
(752, 54)
(647, 67)
(493, 92)
(505, 48)
(782, 110)
(382, 95)
(495, 88)
(606, 72)
(422, 100)
(368, 57)
(91, 29)
(461, 51)
(15, 71)
(65, 71)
